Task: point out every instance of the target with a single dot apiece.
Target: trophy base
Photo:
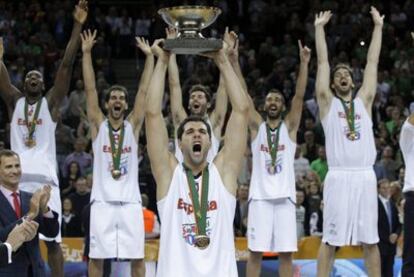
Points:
(192, 46)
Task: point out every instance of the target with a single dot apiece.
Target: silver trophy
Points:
(189, 21)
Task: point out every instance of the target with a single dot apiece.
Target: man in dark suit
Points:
(14, 204)
(20, 234)
(389, 228)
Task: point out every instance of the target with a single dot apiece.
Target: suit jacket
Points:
(27, 257)
(4, 258)
(385, 247)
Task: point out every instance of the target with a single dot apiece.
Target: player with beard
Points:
(33, 124)
(271, 224)
(196, 199)
(198, 104)
(116, 221)
(350, 213)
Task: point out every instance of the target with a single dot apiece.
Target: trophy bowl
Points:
(189, 21)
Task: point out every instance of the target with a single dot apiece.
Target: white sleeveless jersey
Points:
(178, 256)
(105, 187)
(39, 162)
(407, 148)
(215, 145)
(341, 151)
(263, 184)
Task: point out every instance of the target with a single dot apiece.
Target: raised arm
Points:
(229, 159)
(95, 115)
(8, 92)
(218, 116)
(369, 83)
(255, 119)
(64, 73)
(176, 95)
(162, 161)
(136, 117)
(293, 117)
(323, 92)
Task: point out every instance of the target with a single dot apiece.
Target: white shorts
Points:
(116, 230)
(271, 226)
(54, 204)
(350, 213)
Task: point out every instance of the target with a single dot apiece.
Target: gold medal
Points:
(30, 143)
(116, 174)
(352, 135)
(271, 169)
(202, 241)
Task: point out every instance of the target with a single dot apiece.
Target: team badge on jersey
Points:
(189, 232)
(353, 135)
(274, 169)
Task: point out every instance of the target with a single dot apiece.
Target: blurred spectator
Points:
(314, 198)
(71, 224)
(76, 105)
(80, 156)
(300, 213)
(126, 42)
(300, 164)
(309, 147)
(152, 226)
(64, 141)
(387, 167)
(143, 25)
(67, 185)
(316, 222)
(395, 192)
(389, 228)
(242, 208)
(320, 165)
(245, 173)
(81, 197)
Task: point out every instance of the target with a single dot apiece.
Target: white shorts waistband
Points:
(337, 168)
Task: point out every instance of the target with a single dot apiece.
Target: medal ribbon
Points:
(350, 115)
(116, 152)
(273, 145)
(200, 208)
(31, 126)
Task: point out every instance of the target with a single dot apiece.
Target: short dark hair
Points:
(79, 178)
(382, 181)
(192, 118)
(341, 66)
(204, 89)
(275, 90)
(7, 153)
(300, 190)
(116, 87)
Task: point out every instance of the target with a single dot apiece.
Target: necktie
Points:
(16, 204)
(388, 205)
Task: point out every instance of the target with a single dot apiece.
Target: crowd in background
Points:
(35, 35)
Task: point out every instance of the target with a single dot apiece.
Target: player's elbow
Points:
(243, 108)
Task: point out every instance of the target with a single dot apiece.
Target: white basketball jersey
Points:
(105, 187)
(281, 184)
(38, 163)
(407, 148)
(178, 256)
(340, 150)
(215, 145)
